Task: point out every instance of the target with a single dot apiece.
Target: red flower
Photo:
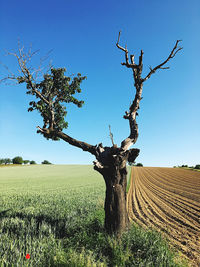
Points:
(28, 256)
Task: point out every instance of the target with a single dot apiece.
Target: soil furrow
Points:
(191, 214)
(173, 234)
(162, 182)
(174, 213)
(168, 200)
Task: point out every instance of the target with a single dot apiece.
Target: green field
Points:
(55, 214)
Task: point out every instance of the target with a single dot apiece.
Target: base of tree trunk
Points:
(116, 215)
(111, 163)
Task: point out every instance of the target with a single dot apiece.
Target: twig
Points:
(111, 136)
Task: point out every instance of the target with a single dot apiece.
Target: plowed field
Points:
(168, 199)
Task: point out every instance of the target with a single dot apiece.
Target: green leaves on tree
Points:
(53, 93)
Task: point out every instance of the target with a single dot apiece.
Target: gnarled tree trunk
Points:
(111, 163)
(116, 215)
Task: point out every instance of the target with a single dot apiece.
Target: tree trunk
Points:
(111, 163)
(116, 215)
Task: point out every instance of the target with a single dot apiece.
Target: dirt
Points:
(168, 200)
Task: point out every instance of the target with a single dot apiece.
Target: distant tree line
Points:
(197, 166)
(135, 164)
(20, 160)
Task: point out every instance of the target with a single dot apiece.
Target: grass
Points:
(128, 178)
(189, 168)
(11, 165)
(55, 214)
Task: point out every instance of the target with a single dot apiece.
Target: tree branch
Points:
(132, 113)
(174, 51)
(40, 95)
(27, 74)
(72, 141)
(138, 83)
(111, 136)
(131, 116)
(127, 64)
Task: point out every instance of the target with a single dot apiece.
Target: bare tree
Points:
(55, 91)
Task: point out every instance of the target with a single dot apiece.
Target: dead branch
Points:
(111, 136)
(138, 83)
(127, 64)
(172, 54)
(24, 59)
(134, 106)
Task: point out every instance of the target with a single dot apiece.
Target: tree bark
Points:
(116, 215)
(111, 163)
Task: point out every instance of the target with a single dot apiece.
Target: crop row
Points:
(168, 200)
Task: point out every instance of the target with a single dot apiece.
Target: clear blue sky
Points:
(82, 35)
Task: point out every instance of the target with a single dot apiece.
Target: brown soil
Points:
(168, 200)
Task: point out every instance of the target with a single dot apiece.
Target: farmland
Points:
(55, 214)
(168, 200)
(39, 203)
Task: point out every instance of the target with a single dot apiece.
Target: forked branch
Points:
(127, 64)
(174, 51)
(138, 83)
(50, 103)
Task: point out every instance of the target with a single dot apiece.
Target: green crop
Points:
(38, 205)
